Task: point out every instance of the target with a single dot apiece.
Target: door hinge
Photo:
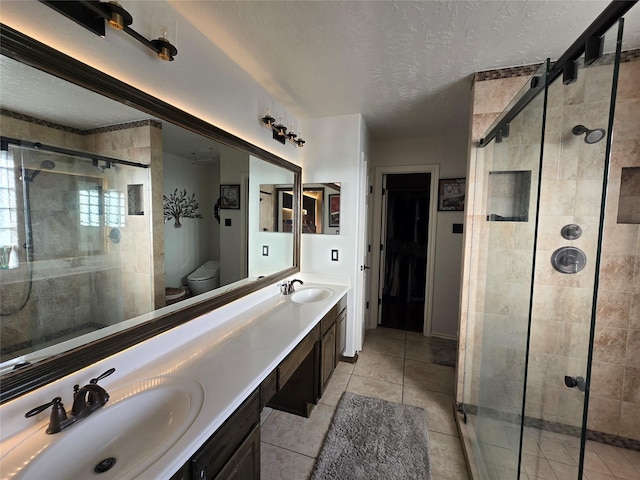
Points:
(381, 247)
(379, 301)
(367, 305)
(383, 191)
(370, 189)
(369, 248)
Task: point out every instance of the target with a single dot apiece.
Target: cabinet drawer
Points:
(290, 364)
(216, 452)
(328, 320)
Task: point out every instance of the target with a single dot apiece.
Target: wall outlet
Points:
(227, 222)
(265, 250)
(334, 255)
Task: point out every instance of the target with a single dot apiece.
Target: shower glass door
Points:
(547, 365)
(567, 304)
(509, 170)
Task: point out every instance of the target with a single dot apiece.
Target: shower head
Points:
(592, 136)
(30, 175)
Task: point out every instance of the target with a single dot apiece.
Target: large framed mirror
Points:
(113, 226)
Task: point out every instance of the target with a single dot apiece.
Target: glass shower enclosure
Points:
(551, 384)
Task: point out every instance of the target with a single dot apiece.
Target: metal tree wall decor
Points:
(177, 205)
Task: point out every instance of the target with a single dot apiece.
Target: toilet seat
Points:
(205, 277)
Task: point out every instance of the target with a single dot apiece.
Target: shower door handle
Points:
(573, 382)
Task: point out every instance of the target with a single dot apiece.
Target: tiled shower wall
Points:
(562, 302)
(615, 391)
(71, 291)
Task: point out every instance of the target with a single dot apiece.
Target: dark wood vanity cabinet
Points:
(295, 386)
(305, 373)
(332, 341)
(297, 377)
(233, 452)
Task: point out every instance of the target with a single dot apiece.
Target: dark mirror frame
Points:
(22, 48)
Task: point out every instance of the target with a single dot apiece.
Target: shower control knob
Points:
(568, 260)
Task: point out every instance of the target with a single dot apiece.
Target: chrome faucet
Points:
(86, 400)
(287, 288)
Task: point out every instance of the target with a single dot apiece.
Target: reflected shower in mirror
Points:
(94, 246)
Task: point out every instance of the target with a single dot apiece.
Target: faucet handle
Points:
(42, 408)
(57, 417)
(104, 375)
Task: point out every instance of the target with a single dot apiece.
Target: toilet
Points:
(204, 278)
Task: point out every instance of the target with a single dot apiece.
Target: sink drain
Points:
(105, 465)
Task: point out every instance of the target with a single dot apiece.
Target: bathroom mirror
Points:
(110, 209)
(321, 208)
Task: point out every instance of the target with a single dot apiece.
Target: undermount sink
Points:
(311, 294)
(135, 429)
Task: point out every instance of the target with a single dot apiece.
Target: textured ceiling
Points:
(406, 66)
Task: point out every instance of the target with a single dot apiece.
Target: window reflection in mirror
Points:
(321, 208)
(95, 247)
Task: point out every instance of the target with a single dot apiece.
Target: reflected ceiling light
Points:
(279, 131)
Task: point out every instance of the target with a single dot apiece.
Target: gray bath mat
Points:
(444, 351)
(373, 439)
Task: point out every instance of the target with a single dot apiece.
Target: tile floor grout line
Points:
(287, 449)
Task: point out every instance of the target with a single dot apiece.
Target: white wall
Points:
(197, 241)
(450, 154)
(336, 157)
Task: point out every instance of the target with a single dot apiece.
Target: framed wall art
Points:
(451, 194)
(334, 210)
(230, 196)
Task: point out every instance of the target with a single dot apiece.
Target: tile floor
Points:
(548, 455)
(394, 365)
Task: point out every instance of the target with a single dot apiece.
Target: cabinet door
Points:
(214, 455)
(327, 355)
(245, 463)
(341, 335)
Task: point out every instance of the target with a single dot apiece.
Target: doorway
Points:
(405, 238)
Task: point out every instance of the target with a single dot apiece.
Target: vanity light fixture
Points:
(279, 131)
(119, 17)
(93, 14)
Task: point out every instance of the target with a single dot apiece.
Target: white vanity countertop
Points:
(230, 351)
